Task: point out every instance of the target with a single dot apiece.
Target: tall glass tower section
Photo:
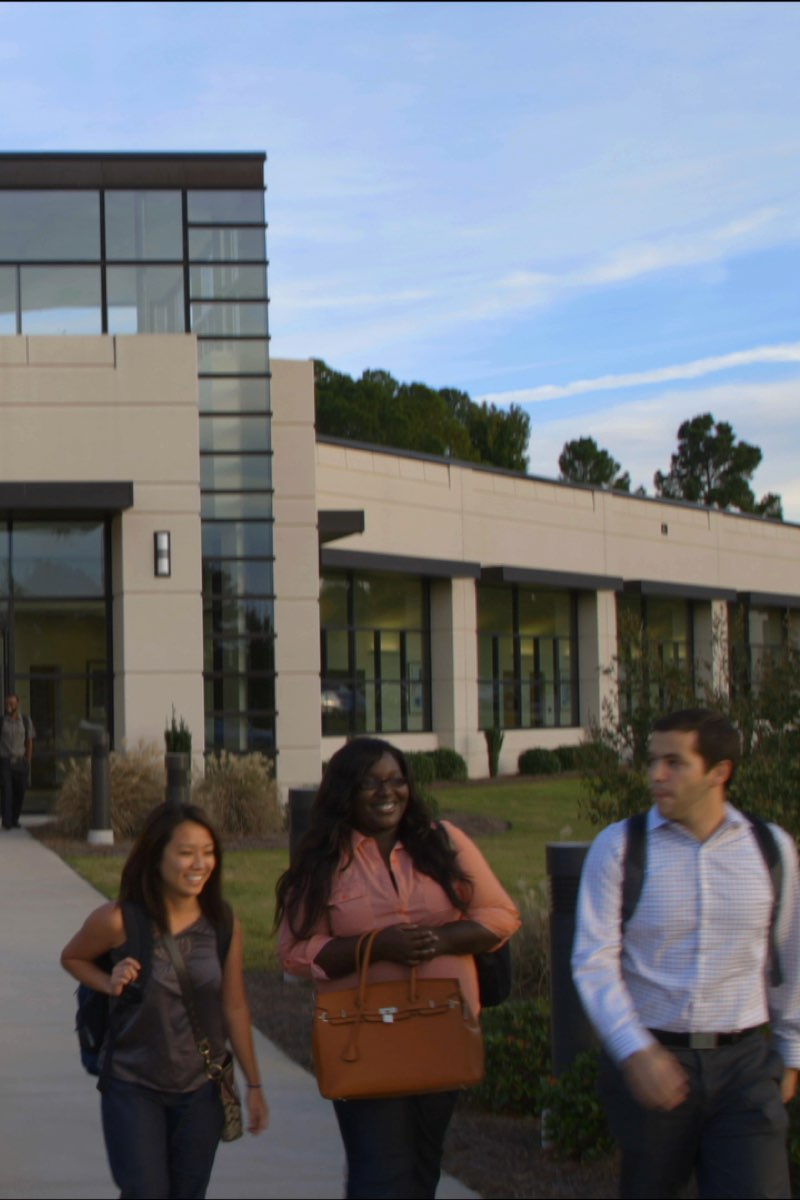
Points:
(151, 244)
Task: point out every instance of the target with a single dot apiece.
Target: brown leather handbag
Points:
(396, 1038)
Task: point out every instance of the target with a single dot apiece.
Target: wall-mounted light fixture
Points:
(162, 554)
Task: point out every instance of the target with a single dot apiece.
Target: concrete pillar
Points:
(597, 653)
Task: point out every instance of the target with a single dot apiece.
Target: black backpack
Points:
(635, 862)
(93, 1023)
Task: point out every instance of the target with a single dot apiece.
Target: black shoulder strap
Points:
(771, 854)
(633, 864)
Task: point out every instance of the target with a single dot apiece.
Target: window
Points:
(655, 646)
(527, 660)
(375, 631)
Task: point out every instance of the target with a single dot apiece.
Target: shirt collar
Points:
(732, 818)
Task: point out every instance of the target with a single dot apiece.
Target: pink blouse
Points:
(363, 897)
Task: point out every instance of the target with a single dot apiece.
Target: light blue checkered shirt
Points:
(694, 957)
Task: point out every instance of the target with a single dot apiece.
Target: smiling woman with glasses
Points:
(374, 858)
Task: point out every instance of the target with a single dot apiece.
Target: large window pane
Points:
(246, 207)
(229, 579)
(227, 281)
(233, 615)
(144, 225)
(236, 539)
(234, 433)
(145, 300)
(239, 654)
(67, 636)
(60, 300)
(388, 601)
(223, 395)
(58, 559)
(230, 473)
(232, 358)
(238, 734)
(232, 505)
(49, 226)
(495, 609)
(226, 245)
(229, 320)
(333, 592)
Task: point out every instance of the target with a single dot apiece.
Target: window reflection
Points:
(143, 225)
(42, 226)
(60, 300)
(145, 300)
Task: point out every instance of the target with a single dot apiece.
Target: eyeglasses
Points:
(371, 784)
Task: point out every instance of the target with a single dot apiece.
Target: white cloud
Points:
(786, 353)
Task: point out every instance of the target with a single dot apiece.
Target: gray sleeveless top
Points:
(154, 1044)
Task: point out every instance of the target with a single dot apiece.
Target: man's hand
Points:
(655, 1077)
(788, 1084)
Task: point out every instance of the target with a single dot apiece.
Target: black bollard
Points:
(300, 802)
(570, 1031)
(100, 832)
(178, 789)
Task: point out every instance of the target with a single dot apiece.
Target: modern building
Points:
(174, 535)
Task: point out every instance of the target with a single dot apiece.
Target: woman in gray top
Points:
(162, 1116)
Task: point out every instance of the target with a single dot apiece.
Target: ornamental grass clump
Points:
(240, 795)
(137, 786)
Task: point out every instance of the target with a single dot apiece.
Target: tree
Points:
(412, 416)
(582, 461)
(712, 467)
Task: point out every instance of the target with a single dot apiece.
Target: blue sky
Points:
(592, 210)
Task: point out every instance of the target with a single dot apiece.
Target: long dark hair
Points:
(141, 879)
(304, 890)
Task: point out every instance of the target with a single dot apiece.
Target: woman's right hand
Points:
(125, 972)
(409, 945)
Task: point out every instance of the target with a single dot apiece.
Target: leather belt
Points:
(703, 1041)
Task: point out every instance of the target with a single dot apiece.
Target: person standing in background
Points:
(16, 751)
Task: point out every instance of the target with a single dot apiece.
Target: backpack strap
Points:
(633, 865)
(138, 944)
(770, 851)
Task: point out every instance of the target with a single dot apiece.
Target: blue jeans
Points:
(394, 1146)
(160, 1145)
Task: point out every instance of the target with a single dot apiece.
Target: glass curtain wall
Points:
(375, 632)
(756, 633)
(170, 260)
(55, 630)
(527, 657)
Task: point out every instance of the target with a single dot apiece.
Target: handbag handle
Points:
(363, 955)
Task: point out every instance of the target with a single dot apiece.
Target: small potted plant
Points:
(178, 744)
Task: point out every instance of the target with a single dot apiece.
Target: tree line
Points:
(710, 466)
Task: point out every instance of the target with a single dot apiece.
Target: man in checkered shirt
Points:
(690, 1083)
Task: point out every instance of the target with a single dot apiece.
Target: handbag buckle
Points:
(387, 1015)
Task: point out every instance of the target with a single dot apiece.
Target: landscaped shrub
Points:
(494, 744)
(568, 757)
(240, 795)
(538, 762)
(422, 767)
(137, 786)
(448, 764)
(517, 1045)
(575, 1124)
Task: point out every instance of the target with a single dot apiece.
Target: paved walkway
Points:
(52, 1145)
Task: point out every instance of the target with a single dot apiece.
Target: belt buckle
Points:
(703, 1041)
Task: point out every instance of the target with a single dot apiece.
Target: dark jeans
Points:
(394, 1146)
(160, 1145)
(730, 1132)
(14, 779)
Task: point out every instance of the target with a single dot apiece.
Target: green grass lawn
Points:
(540, 811)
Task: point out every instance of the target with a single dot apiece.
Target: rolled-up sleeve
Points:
(297, 956)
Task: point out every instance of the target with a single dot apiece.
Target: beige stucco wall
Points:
(82, 409)
(438, 510)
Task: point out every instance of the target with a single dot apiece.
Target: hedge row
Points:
(549, 762)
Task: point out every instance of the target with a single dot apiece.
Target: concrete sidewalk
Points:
(49, 1107)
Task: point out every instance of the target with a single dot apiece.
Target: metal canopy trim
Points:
(680, 591)
(335, 523)
(83, 497)
(364, 560)
(530, 577)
